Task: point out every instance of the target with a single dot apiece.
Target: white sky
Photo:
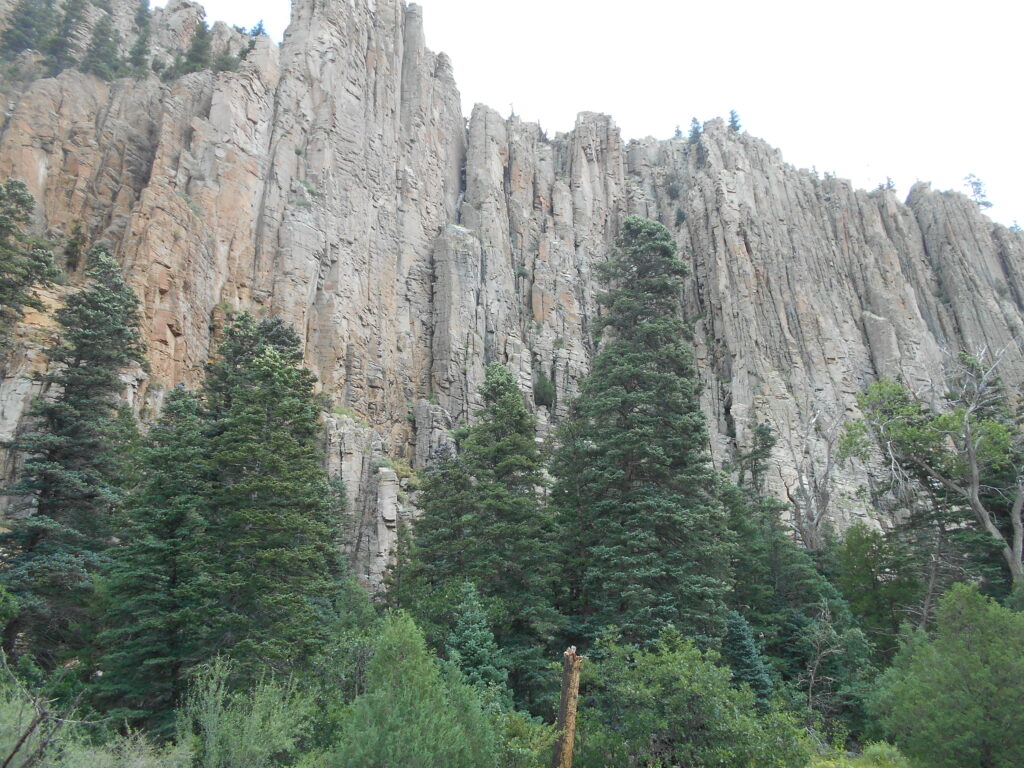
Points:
(924, 90)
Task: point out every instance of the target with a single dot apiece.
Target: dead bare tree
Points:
(810, 492)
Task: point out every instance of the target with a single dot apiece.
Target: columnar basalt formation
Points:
(333, 181)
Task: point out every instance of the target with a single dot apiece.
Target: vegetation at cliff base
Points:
(176, 587)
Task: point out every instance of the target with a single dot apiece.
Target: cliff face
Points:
(334, 181)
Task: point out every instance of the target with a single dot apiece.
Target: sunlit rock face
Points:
(334, 181)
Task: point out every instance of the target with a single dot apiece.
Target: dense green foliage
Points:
(138, 56)
(471, 645)
(70, 477)
(673, 705)
(740, 652)
(190, 581)
(876, 581)
(643, 527)
(149, 606)
(58, 46)
(955, 699)
(101, 57)
(413, 713)
(198, 56)
(31, 22)
(483, 522)
(24, 263)
(232, 537)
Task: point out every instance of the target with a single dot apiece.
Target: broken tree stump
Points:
(562, 757)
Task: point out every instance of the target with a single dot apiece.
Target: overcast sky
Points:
(924, 90)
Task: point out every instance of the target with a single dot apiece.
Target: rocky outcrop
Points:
(334, 181)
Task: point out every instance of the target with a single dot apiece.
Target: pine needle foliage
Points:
(57, 541)
(24, 263)
(148, 611)
(482, 522)
(646, 543)
(268, 558)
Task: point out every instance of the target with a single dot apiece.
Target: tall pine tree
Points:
(56, 541)
(101, 57)
(149, 602)
(644, 530)
(269, 566)
(482, 521)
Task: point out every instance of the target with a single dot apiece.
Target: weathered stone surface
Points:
(333, 181)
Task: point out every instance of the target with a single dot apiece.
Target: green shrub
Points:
(954, 700)
(673, 705)
(413, 714)
(543, 390)
(254, 729)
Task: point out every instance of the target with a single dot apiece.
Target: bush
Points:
(877, 755)
(413, 714)
(543, 390)
(255, 729)
(954, 700)
(674, 705)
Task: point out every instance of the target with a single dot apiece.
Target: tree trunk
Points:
(566, 741)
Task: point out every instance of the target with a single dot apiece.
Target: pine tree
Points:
(740, 652)
(31, 22)
(56, 543)
(101, 57)
(734, 121)
(644, 530)
(200, 52)
(58, 45)
(24, 263)
(876, 579)
(482, 522)
(138, 56)
(270, 566)
(777, 585)
(695, 131)
(147, 609)
(471, 645)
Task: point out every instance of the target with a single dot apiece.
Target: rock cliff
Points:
(333, 180)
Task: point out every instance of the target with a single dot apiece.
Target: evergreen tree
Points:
(24, 263)
(643, 526)
(740, 652)
(876, 579)
(412, 715)
(147, 645)
(58, 45)
(734, 121)
(955, 699)
(695, 131)
(31, 22)
(268, 559)
(56, 544)
(200, 51)
(471, 645)
(101, 57)
(482, 522)
(138, 56)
